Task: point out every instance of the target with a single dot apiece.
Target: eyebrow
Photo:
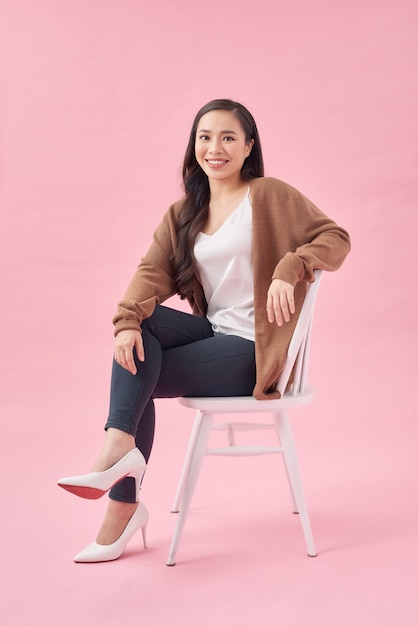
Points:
(223, 132)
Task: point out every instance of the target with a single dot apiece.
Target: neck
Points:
(221, 190)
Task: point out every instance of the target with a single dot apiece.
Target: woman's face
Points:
(221, 147)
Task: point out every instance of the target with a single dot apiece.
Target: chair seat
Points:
(247, 404)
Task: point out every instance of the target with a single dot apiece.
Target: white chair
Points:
(298, 394)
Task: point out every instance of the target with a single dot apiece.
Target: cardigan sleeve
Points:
(153, 281)
(318, 243)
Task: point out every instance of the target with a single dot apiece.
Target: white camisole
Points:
(224, 263)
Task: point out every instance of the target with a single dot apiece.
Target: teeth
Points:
(213, 162)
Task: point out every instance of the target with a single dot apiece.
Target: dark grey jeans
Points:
(182, 358)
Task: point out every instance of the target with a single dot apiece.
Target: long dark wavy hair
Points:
(194, 211)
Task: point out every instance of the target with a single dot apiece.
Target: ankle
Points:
(117, 517)
(119, 438)
(120, 510)
(117, 444)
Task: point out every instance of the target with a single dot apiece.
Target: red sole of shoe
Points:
(84, 492)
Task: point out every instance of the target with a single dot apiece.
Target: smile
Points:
(216, 161)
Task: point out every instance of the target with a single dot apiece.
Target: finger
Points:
(291, 300)
(119, 357)
(124, 357)
(139, 346)
(273, 309)
(129, 361)
(284, 306)
(278, 316)
(270, 309)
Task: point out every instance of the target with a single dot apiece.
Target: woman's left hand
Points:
(280, 301)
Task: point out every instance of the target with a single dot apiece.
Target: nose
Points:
(214, 145)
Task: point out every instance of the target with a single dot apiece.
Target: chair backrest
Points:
(298, 352)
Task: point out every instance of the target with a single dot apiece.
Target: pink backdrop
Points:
(96, 103)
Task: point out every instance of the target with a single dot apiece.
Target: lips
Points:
(216, 162)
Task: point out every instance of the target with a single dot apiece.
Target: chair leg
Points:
(292, 491)
(197, 453)
(291, 463)
(186, 465)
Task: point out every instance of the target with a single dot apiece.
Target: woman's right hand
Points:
(125, 342)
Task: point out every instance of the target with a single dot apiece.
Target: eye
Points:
(228, 138)
(203, 137)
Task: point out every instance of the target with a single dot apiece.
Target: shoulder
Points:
(268, 188)
(171, 215)
(165, 233)
(175, 208)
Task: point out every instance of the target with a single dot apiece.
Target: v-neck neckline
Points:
(229, 216)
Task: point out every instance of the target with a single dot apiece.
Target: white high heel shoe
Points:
(96, 553)
(95, 484)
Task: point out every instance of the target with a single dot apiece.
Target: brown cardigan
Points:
(291, 238)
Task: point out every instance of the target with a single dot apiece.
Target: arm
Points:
(320, 244)
(153, 281)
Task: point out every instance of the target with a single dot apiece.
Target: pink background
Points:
(97, 99)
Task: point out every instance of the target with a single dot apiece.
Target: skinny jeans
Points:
(183, 357)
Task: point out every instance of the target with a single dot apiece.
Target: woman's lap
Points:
(195, 362)
(216, 366)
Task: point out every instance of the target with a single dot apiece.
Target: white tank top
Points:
(224, 263)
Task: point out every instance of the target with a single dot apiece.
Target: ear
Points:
(249, 147)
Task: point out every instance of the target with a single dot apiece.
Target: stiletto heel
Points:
(96, 553)
(96, 484)
(144, 534)
(138, 475)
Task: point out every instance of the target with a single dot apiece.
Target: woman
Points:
(241, 248)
